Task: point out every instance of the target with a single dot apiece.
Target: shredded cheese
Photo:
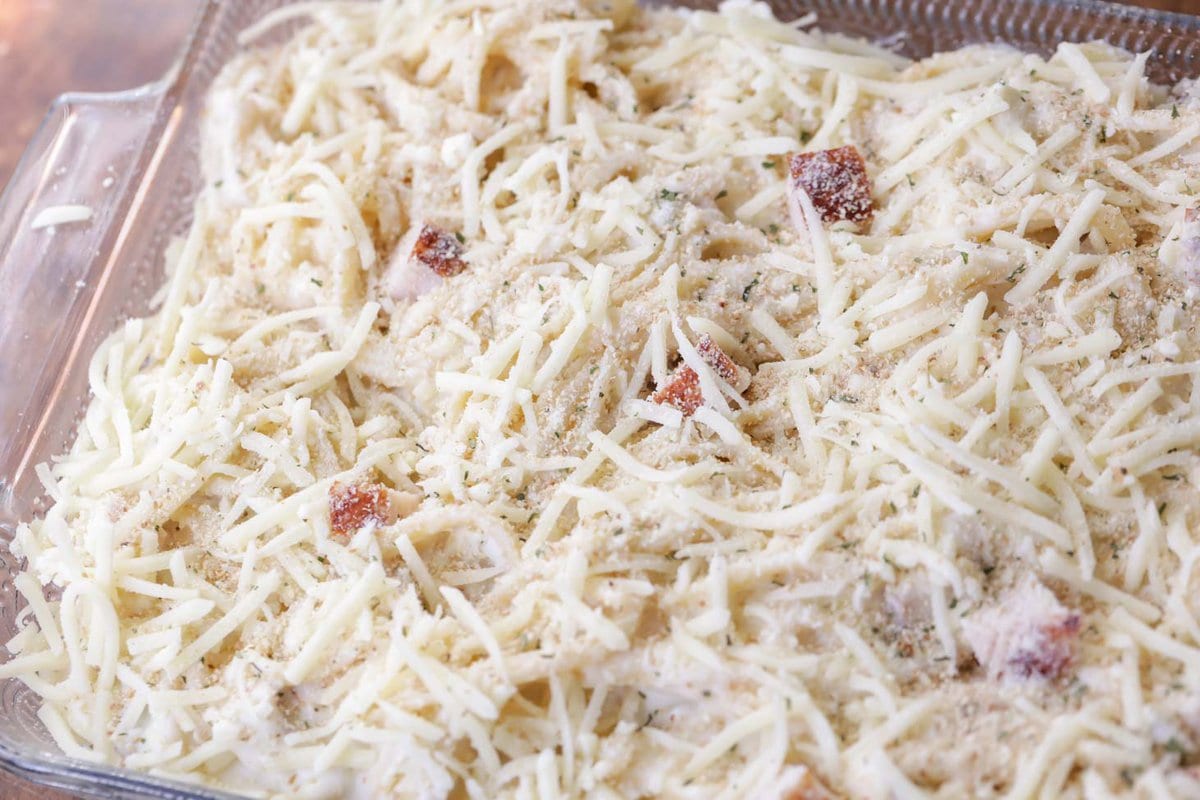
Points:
(514, 423)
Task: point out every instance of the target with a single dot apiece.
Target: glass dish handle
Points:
(80, 168)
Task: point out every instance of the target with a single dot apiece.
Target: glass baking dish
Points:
(132, 158)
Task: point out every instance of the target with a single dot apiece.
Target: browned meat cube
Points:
(439, 250)
(836, 181)
(1027, 634)
(682, 390)
(425, 257)
(352, 507)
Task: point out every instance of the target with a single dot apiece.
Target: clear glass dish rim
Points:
(74, 775)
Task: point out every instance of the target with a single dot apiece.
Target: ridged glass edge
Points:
(1027, 24)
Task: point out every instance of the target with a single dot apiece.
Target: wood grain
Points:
(52, 46)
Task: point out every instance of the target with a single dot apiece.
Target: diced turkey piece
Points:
(835, 181)
(682, 390)
(426, 256)
(725, 367)
(352, 506)
(1029, 634)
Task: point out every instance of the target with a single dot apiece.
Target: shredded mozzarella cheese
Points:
(386, 500)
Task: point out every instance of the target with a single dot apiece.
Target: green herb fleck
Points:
(749, 288)
(667, 194)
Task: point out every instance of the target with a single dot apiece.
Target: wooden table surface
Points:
(51, 46)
